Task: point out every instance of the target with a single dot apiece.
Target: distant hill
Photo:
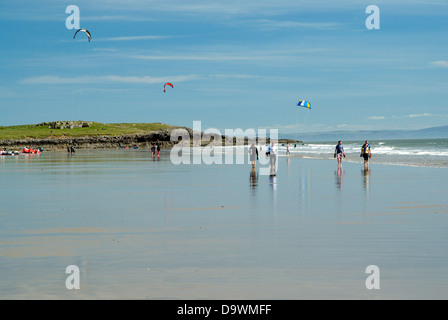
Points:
(427, 133)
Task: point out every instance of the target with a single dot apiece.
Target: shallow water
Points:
(142, 228)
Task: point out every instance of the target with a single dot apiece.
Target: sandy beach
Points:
(142, 228)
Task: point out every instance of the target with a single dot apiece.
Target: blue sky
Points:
(234, 64)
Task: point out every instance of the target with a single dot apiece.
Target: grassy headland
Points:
(91, 129)
(93, 135)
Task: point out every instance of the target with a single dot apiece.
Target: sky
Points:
(233, 64)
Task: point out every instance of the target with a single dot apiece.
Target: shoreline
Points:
(281, 155)
(116, 142)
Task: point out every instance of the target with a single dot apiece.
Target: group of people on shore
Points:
(339, 153)
(271, 152)
(155, 149)
(366, 153)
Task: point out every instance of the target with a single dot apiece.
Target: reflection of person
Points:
(152, 151)
(273, 156)
(339, 174)
(366, 172)
(253, 178)
(253, 151)
(366, 153)
(158, 148)
(273, 182)
(339, 152)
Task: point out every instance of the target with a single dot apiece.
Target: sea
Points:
(415, 152)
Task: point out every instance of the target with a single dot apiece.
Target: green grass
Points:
(95, 129)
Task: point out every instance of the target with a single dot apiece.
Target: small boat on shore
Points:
(9, 153)
(30, 151)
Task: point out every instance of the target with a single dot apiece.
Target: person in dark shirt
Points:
(339, 152)
(253, 151)
(366, 153)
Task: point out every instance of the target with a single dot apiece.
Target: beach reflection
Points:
(366, 181)
(366, 176)
(339, 176)
(305, 190)
(253, 180)
(273, 185)
(273, 182)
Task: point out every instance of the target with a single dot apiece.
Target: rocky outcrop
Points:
(65, 124)
(144, 140)
(91, 142)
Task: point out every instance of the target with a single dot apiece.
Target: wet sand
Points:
(139, 228)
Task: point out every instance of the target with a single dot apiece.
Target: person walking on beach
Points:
(366, 153)
(253, 152)
(287, 149)
(339, 152)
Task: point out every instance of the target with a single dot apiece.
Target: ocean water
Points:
(144, 228)
(417, 152)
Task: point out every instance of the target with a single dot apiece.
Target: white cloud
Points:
(295, 24)
(417, 115)
(57, 80)
(104, 49)
(234, 76)
(116, 18)
(377, 118)
(106, 10)
(132, 38)
(248, 7)
(440, 63)
(8, 93)
(211, 57)
(224, 53)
